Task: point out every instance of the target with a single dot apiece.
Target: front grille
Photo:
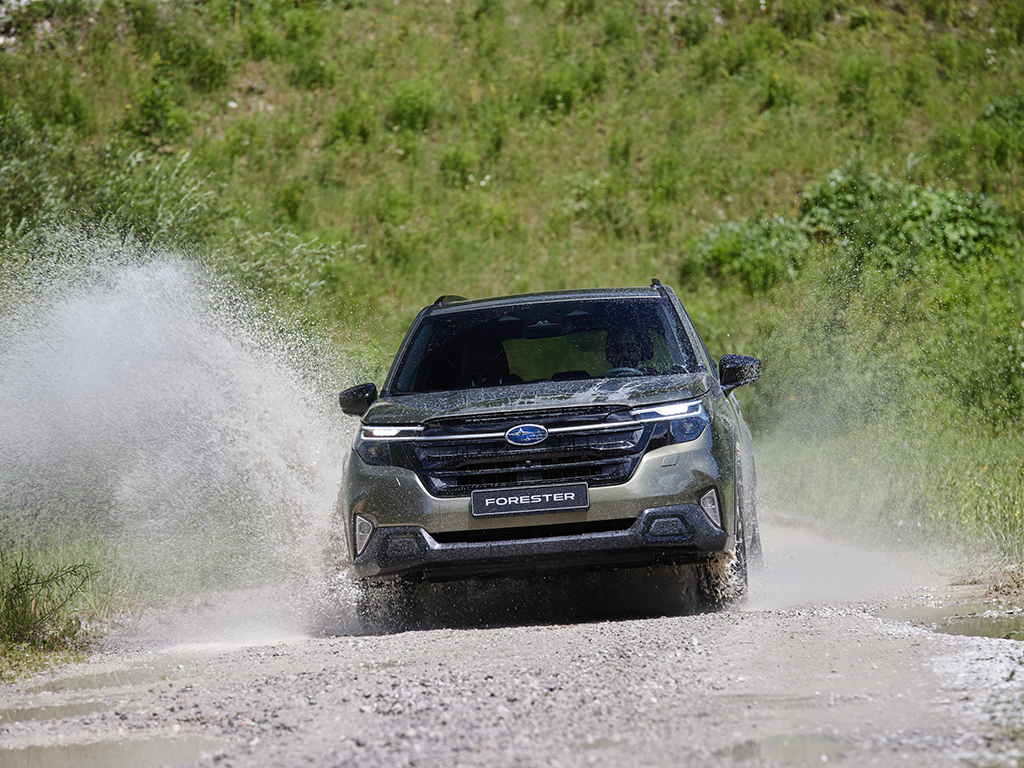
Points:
(605, 454)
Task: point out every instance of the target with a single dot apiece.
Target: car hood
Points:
(539, 396)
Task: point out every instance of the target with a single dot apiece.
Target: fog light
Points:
(363, 530)
(709, 503)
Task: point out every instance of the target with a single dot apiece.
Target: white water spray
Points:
(150, 408)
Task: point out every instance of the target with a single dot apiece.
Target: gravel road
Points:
(805, 672)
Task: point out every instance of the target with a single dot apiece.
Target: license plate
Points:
(531, 501)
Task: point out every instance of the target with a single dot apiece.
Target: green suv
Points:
(551, 432)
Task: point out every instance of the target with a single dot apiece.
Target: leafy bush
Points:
(602, 200)
(204, 62)
(1011, 21)
(457, 166)
(575, 9)
(304, 28)
(290, 201)
(35, 170)
(159, 114)
(48, 180)
(857, 76)
(1005, 119)
(861, 16)
(413, 105)
(352, 121)
(260, 37)
(280, 260)
(899, 226)
(558, 89)
(759, 254)
(877, 223)
(18, 18)
(731, 53)
(620, 24)
(176, 33)
(36, 602)
(897, 296)
(779, 91)
(802, 18)
(689, 22)
(313, 71)
(940, 11)
(144, 17)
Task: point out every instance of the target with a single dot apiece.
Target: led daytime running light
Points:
(687, 410)
(390, 433)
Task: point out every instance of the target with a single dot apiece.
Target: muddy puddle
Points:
(975, 619)
(118, 679)
(55, 712)
(811, 747)
(166, 667)
(147, 753)
(769, 701)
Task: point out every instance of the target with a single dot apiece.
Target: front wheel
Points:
(722, 580)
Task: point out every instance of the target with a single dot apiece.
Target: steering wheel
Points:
(624, 371)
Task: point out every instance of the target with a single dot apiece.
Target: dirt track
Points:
(803, 673)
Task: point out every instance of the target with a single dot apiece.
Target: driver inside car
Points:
(623, 349)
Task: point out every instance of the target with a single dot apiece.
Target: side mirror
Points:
(356, 401)
(738, 370)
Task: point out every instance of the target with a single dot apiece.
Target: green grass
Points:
(20, 661)
(610, 136)
(951, 491)
(44, 597)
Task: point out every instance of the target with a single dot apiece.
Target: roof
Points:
(458, 303)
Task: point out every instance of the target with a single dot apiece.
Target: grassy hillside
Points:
(833, 186)
(506, 146)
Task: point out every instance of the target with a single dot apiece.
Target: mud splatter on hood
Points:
(538, 396)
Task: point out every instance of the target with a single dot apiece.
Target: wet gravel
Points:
(778, 681)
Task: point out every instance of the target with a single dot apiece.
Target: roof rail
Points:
(446, 298)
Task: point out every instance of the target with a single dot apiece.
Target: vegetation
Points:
(834, 186)
(39, 610)
(34, 603)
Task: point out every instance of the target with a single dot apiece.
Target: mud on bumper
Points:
(676, 534)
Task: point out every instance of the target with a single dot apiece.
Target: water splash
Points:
(151, 408)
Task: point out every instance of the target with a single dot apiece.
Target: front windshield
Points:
(563, 340)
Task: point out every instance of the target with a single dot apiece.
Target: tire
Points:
(722, 581)
(748, 511)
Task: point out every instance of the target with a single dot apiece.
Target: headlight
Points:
(376, 453)
(374, 444)
(675, 423)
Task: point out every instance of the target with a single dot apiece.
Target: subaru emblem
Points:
(526, 434)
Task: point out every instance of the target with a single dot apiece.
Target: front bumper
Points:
(675, 534)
